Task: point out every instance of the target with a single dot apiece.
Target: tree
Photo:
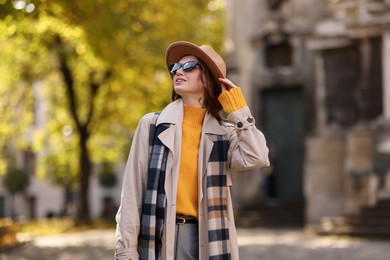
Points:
(92, 66)
(107, 176)
(15, 181)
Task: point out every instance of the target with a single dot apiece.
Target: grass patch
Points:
(62, 225)
(8, 231)
(50, 226)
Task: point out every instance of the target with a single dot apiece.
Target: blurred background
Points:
(76, 76)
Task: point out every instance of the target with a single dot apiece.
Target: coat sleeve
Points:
(248, 148)
(132, 195)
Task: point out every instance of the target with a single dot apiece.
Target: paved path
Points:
(295, 245)
(262, 244)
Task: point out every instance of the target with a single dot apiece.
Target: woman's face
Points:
(189, 84)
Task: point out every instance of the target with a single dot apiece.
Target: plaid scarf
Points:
(217, 200)
(152, 219)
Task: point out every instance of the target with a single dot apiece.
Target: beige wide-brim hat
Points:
(205, 53)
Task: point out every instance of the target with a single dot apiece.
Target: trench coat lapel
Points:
(172, 114)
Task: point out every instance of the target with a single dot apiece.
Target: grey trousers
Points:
(186, 242)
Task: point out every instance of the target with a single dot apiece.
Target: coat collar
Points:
(173, 114)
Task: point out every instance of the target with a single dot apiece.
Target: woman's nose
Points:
(180, 71)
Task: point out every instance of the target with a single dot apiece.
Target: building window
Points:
(342, 79)
(353, 91)
(32, 205)
(274, 5)
(278, 51)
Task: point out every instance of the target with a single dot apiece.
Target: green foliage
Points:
(114, 50)
(16, 180)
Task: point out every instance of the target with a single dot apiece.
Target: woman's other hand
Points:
(226, 84)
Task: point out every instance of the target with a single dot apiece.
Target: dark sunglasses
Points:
(187, 66)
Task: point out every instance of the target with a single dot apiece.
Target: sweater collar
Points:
(193, 116)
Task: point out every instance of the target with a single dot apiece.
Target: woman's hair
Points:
(212, 91)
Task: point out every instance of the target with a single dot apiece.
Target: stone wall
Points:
(358, 168)
(324, 175)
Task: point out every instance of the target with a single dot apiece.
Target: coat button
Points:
(250, 119)
(240, 124)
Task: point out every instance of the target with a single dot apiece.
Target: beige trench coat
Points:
(247, 150)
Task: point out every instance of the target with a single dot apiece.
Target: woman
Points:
(176, 201)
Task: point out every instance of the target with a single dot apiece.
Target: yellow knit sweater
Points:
(187, 191)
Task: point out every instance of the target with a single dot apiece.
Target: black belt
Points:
(181, 219)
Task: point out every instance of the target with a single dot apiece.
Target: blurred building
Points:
(317, 77)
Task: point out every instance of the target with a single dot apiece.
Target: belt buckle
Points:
(180, 220)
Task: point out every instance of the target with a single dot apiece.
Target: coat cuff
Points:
(241, 118)
(126, 254)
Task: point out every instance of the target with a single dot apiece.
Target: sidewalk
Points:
(293, 244)
(255, 244)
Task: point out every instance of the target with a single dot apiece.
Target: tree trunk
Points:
(83, 213)
(13, 213)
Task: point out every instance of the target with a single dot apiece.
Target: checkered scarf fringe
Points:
(152, 219)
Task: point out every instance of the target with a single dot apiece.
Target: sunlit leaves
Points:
(125, 39)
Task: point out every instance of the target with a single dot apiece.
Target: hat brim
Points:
(178, 50)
